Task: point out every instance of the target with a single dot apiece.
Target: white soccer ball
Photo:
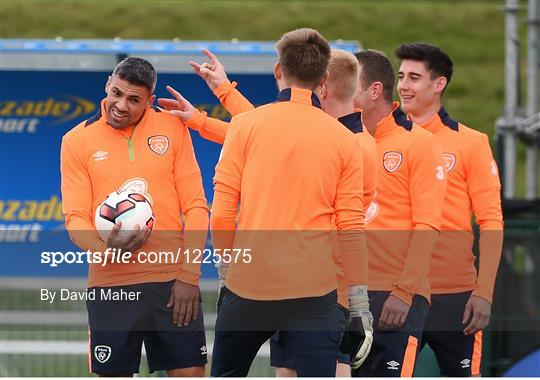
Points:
(129, 207)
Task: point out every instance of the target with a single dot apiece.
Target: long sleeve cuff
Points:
(403, 295)
(224, 89)
(197, 120)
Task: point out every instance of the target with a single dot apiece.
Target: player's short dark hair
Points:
(437, 61)
(137, 71)
(304, 55)
(376, 67)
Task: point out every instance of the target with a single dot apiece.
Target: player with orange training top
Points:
(461, 300)
(401, 223)
(336, 97)
(134, 146)
(292, 167)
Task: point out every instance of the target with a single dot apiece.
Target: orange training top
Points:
(368, 146)
(368, 149)
(402, 219)
(156, 158)
(292, 167)
(216, 130)
(473, 187)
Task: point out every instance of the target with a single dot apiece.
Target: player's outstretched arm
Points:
(179, 106)
(215, 77)
(209, 128)
(232, 99)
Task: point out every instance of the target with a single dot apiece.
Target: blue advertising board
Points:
(37, 107)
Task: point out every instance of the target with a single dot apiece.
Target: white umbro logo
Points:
(465, 363)
(204, 350)
(393, 365)
(100, 155)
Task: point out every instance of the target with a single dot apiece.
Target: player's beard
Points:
(118, 123)
(128, 121)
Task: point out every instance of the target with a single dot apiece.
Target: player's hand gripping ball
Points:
(129, 207)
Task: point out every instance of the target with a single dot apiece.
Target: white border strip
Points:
(66, 347)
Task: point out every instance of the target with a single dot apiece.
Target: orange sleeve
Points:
(349, 212)
(76, 190)
(189, 188)
(215, 130)
(427, 187)
(369, 149)
(232, 99)
(485, 192)
(209, 128)
(227, 181)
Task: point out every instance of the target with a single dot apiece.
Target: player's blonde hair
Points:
(342, 75)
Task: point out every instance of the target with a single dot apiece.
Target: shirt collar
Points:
(396, 118)
(439, 121)
(353, 122)
(298, 95)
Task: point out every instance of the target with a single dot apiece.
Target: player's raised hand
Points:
(213, 73)
(179, 106)
(393, 314)
(184, 299)
(478, 312)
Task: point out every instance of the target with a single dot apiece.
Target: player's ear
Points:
(108, 84)
(324, 91)
(324, 79)
(376, 90)
(440, 84)
(277, 71)
(151, 100)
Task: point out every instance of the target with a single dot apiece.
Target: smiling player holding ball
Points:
(130, 145)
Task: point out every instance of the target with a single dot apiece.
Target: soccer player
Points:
(292, 167)
(401, 223)
(461, 297)
(132, 145)
(336, 97)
